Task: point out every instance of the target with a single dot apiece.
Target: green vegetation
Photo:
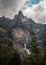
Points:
(37, 56)
(10, 56)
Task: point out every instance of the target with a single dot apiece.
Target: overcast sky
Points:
(35, 9)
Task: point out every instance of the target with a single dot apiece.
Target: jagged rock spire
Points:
(20, 13)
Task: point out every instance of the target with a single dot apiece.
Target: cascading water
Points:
(26, 49)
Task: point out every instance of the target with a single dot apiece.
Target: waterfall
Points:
(26, 49)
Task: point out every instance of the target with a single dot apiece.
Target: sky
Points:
(35, 9)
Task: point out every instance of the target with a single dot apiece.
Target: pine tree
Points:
(34, 45)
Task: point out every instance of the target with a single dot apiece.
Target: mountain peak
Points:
(20, 13)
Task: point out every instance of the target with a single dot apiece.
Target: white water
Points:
(26, 49)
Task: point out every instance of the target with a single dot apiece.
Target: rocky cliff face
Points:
(21, 29)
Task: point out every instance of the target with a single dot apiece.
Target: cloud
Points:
(37, 11)
(10, 7)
